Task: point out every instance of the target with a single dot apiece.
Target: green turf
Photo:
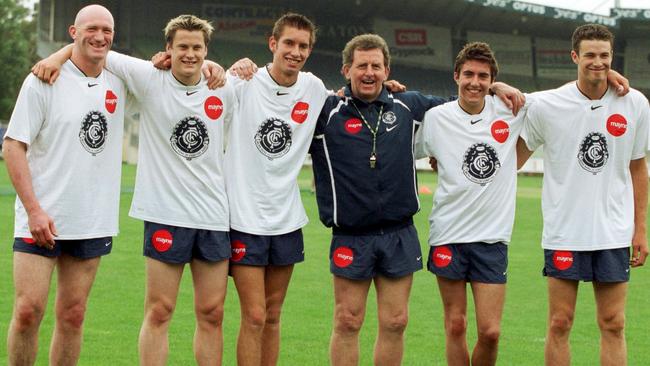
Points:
(115, 308)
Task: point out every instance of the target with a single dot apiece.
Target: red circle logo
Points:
(162, 240)
(343, 257)
(500, 131)
(28, 240)
(213, 107)
(110, 101)
(300, 112)
(353, 125)
(441, 256)
(237, 250)
(616, 125)
(562, 260)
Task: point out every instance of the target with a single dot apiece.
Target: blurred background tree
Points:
(17, 50)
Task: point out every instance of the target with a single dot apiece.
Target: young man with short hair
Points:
(63, 150)
(595, 193)
(267, 144)
(474, 142)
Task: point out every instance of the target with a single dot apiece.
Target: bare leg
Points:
(210, 281)
(488, 300)
(610, 305)
(249, 281)
(454, 301)
(392, 308)
(32, 276)
(163, 280)
(350, 298)
(276, 283)
(562, 296)
(75, 279)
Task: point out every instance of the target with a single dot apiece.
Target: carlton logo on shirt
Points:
(237, 251)
(616, 125)
(562, 260)
(190, 138)
(481, 163)
(93, 132)
(273, 138)
(110, 101)
(441, 256)
(343, 257)
(213, 107)
(300, 112)
(162, 240)
(593, 154)
(353, 125)
(500, 131)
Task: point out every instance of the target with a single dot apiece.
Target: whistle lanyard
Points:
(373, 154)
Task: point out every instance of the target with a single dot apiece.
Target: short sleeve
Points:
(29, 112)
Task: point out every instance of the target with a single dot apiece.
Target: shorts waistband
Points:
(373, 230)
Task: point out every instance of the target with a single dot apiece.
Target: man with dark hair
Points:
(63, 151)
(268, 142)
(595, 193)
(363, 154)
(474, 142)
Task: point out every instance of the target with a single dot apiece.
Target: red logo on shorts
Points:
(500, 131)
(562, 260)
(237, 251)
(300, 112)
(213, 107)
(162, 240)
(353, 125)
(343, 257)
(441, 256)
(28, 240)
(110, 101)
(616, 125)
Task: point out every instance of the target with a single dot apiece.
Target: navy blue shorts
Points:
(608, 265)
(472, 262)
(82, 248)
(264, 250)
(391, 253)
(174, 244)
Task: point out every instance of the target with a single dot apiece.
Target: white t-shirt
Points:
(477, 171)
(587, 197)
(180, 179)
(268, 142)
(74, 132)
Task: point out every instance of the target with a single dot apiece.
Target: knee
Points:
(560, 324)
(456, 326)
(347, 322)
(210, 315)
(28, 314)
(159, 313)
(254, 318)
(489, 335)
(71, 315)
(395, 324)
(273, 315)
(612, 323)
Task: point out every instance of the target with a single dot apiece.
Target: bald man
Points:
(63, 152)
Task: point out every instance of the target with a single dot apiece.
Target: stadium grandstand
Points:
(531, 42)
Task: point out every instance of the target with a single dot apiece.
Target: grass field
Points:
(116, 305)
